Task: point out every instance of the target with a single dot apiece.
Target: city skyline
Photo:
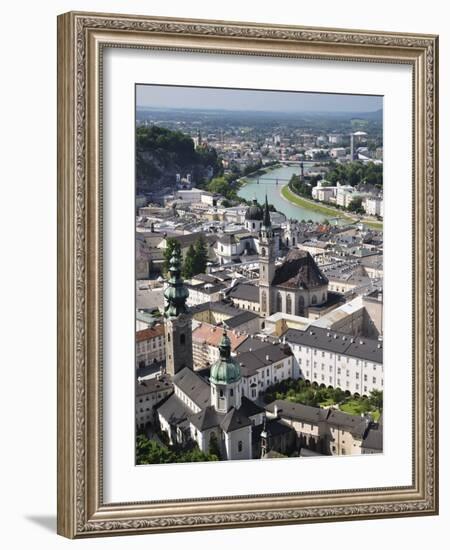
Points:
(162, 97)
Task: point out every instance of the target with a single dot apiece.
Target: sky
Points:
(184, 97)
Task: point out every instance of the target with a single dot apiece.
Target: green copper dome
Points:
(226, 370)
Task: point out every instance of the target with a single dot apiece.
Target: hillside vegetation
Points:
(163, 153)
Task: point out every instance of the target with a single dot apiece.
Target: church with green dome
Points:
(211, 410)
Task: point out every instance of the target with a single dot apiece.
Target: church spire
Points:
(266, 218)
(176, 293)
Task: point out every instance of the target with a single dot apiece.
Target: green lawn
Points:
(298, 391)
(359, 406)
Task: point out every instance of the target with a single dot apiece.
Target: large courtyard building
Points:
(338, 360)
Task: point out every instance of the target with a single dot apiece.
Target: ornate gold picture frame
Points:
(82, 38)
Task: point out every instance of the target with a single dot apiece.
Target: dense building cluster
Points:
(307, 310)
(274, 348)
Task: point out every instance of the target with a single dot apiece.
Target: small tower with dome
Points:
(254, 217)
(225, 379)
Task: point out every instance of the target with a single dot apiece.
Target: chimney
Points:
(275, 409)
(267, 358)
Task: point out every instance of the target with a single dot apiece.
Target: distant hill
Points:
(163, 153)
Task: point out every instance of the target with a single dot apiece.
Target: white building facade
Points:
(353, 364)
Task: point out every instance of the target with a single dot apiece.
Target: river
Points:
(267, 184)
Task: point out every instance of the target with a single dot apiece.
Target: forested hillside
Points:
(163, 153)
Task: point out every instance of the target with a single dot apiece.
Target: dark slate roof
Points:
(220, 307)
(235, 419)
(255, 359)
(357, 425)
(245, 291)
(367, 349)
(299, 270)
(193, 386)
(240, 319)
(227, 238)
(249, 407)
(174, 410)
(357, 275)
(274, 427)
(297, 411)
(374, 438)
(253, 343)
(152, 385)
(207, 418)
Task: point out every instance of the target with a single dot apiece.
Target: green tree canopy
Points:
(151, 452)
(172, 245)
(189, 263)
(214, 449)
(200, 256)
(299, 186)
(356, 205)
(376, 399)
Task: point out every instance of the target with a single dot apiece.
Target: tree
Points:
(213, 449)
(171, 245)
(149, 452)
(297, 185)
(356, 205)
(200, 256)
(189, 263)
(376, 399)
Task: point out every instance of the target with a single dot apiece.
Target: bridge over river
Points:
(271, 183)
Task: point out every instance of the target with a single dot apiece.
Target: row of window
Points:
(148, 399)
(338, 381)
(339, 358)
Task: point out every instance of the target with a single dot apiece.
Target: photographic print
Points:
(259, 274)
(236, 287)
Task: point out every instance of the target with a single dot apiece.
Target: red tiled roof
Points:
(149, 333)
(209, 334)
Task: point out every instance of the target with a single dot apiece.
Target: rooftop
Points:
(320, 338)
(297, 411)
(193, 386)
(149, 333)
(211, 335)
(254, 359)
(245, 291)
(299, 270)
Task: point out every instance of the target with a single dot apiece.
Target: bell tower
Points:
(266, 263)
(178, 323)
